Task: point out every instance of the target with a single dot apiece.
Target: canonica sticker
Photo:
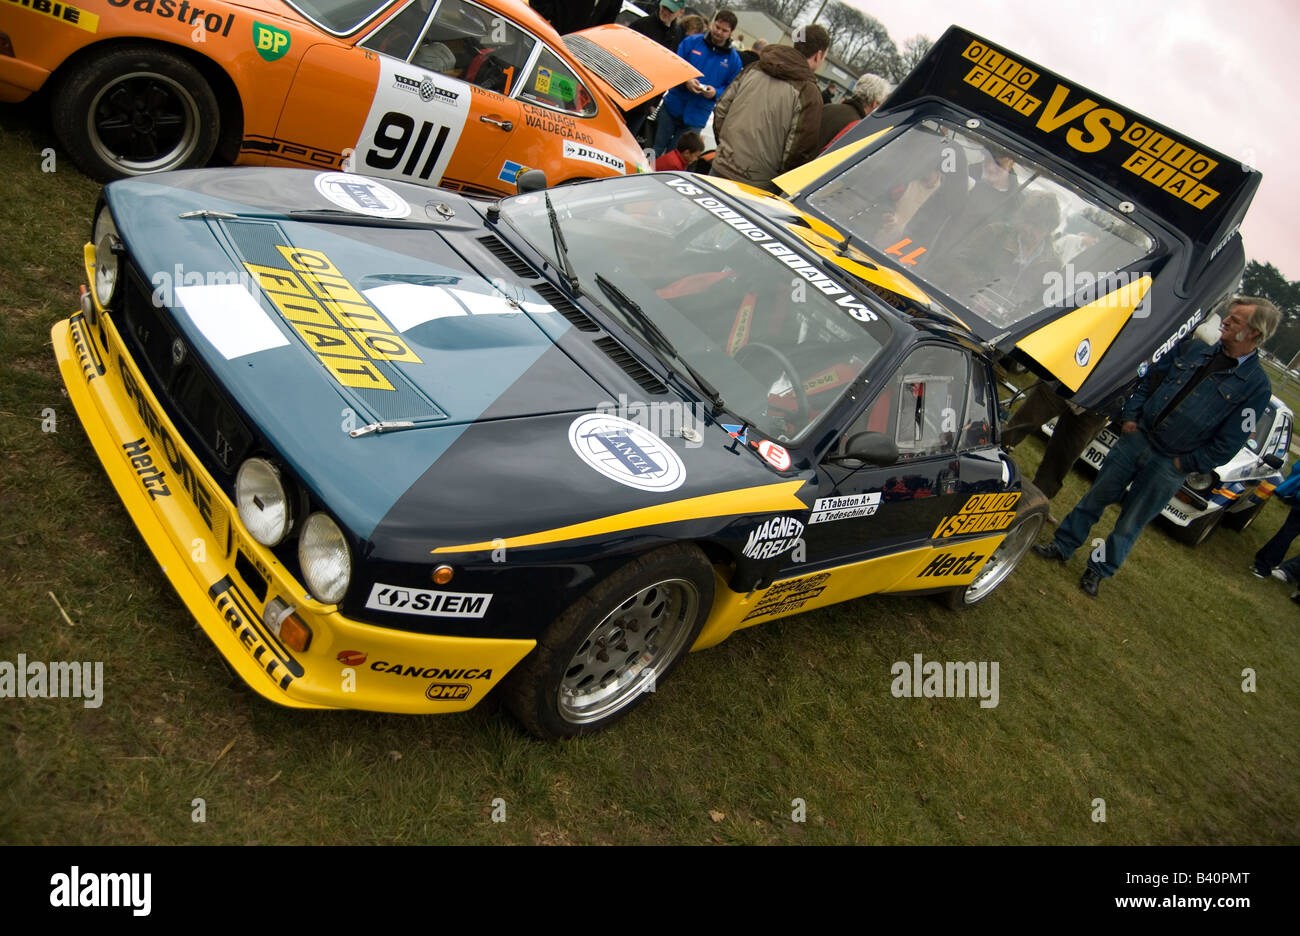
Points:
(361, 195)
(624, 452)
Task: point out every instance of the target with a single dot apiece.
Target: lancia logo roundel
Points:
(625, 452)
(1083, 353)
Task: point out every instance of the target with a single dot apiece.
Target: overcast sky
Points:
(1225, 73)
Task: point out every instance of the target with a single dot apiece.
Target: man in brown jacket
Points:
(769, 120)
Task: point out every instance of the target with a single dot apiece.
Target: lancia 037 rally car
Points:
(432, 444)
(459, 93)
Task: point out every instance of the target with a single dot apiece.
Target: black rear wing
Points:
(1200, 192)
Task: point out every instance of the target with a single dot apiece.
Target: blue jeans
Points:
(668, 131)
(1271, 553)
(1154, 480)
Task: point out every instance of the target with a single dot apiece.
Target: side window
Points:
(397, 37)
(552, 84)
(977, 427)
(475, 45)
(921, 405)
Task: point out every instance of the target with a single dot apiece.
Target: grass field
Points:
(1134, 698)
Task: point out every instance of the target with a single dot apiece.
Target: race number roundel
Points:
(627, 453)
(775, 455)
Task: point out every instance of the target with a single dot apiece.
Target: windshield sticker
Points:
(64, 13)
(823, 283)
(363, 196)
(231, 319)
(344, 331)
(827, 509)
(625, 452)
(592, 155)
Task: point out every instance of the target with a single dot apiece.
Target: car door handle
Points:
(503, 124)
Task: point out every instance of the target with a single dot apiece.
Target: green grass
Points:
(1135, 697)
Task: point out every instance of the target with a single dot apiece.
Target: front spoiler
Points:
(195, 534)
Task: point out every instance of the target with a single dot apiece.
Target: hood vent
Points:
(625, 79)
(511, 260)
(577, 318)
(634, 368)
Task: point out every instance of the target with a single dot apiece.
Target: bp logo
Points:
(627, 453)
(270, 43)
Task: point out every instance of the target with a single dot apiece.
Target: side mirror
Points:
(1274, 461)
(530, 180)
(871, 448)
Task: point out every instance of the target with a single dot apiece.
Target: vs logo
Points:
(271, 43)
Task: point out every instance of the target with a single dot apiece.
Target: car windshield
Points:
(341, 16)
(994, 230)
(779, 339)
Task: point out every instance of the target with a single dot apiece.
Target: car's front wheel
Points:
(1242, 519)
(1199, 530)
(129, 110)
(617, 643)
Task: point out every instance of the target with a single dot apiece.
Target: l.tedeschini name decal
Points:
(53, 680)
(88, 889)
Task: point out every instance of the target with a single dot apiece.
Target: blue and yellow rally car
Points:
(396, 447)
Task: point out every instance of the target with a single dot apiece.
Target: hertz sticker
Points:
(343, 330)
(1158, 159)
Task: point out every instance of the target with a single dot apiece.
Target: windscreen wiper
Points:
(653, 332)
(561, 248)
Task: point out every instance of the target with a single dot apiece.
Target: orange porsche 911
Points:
(459, 93)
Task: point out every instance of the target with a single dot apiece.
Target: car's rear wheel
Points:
(1242, 519)
(129, 110)
(1199, 530)
(617, 643)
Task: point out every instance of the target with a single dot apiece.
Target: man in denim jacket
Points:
(1191, 413)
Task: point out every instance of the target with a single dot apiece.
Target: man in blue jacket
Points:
(1191, 413)
(688, 106)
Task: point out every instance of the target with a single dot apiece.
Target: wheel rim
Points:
(143, 122)
(622, 655)
(1004, 559)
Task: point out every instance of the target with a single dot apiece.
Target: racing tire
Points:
(599, 659)
(1199, 530)
(130, 110)
(1022, 534)
(1242, 519)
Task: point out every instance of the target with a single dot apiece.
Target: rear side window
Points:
(466, 41)
(552, 84)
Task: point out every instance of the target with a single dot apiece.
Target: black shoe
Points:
(1258, 572)
(1090, 582)
(1050, 551)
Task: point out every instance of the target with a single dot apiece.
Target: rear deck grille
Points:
(625, 79)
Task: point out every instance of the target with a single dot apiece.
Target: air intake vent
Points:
(625, 79)
(512, 261)
(577, 318)
(634, 368)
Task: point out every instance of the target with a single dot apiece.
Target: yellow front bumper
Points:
(195, 534)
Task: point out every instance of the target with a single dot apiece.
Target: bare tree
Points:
(861, 41)
(914, 50)
(787, 11)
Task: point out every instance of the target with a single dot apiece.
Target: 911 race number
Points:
(414, 124)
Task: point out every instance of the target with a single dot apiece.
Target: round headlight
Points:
(263, 505)
(107, 246)
(1201, 481)
(325, 559)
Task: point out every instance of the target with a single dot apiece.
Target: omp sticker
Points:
(401, 600)
(624, 452)
(361, 195)
(231, 319)
(414, 123)
(590, 154)
(826, 509)
(63, 12)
